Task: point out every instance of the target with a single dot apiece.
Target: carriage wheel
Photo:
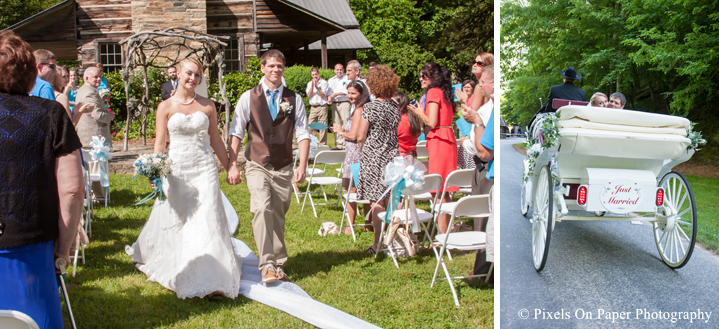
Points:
(523, 199)
(542, 222)
(675, 236)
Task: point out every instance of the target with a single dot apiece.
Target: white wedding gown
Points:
(186, 243)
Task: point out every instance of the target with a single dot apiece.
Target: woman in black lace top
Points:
(41, 188)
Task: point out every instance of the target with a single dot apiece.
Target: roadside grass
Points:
(111, 293)
(706, 197)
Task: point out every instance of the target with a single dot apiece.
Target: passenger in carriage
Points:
(567, 90)
(599, 100)
(617, 101)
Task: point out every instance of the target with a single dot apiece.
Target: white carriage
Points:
(615, 162)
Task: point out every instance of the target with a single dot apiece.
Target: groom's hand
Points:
(234, 176)
(299, 176)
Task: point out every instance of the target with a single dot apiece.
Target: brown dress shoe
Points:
(281, 275)
(269, 274)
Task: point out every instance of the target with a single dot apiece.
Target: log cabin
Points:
(89, 31)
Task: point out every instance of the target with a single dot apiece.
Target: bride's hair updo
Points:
(194, 61)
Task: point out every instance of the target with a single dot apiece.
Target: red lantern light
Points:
(582, 195)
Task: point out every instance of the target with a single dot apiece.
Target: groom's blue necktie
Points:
(273, 103)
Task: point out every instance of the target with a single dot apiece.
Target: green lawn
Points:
(706, 196)
(334, 270)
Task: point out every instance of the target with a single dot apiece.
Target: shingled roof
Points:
(337, 11)
(350, 39)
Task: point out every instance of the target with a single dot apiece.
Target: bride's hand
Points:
(152, 183)
(234, 176)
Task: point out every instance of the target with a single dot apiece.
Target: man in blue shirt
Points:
(485, 151)
(45, 64)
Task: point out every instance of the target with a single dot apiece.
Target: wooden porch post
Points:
(324, 49)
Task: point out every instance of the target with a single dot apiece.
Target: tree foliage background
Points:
(406, 34)
(662, 54)
(13, 11)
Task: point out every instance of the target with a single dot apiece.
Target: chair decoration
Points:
(100, 152)
(401, 174)
(314, 143)
(154, 166)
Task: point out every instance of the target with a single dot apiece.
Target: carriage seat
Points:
(618, 133)
(558, 103)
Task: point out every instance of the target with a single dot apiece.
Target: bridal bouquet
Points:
(153, 166)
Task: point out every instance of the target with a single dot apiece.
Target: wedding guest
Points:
(45, 65)
(441, 143)
(169, 87)
(270, 110)
(598, 100)
(98, 121)
(482, 140)
(43, 189)
(59, 82)
(71, 88)
(317, 91)
(480, 61)
(378, 133)
(341, 106)
(103, 79)
(359, 96)
(468, 88)
(617, 101)
(409, 127)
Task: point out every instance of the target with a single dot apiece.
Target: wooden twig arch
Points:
(162, 49)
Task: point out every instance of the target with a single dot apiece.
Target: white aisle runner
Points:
(289, 297)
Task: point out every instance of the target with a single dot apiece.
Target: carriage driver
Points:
(567, 90)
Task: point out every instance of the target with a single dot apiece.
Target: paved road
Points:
(596, 268)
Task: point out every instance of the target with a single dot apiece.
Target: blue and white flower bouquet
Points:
(153, 166)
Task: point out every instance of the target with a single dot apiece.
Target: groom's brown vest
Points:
(270, 141)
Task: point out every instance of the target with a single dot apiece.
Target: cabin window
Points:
(233, 54)
(110, 57)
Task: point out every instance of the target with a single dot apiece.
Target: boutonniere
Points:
(286, 108)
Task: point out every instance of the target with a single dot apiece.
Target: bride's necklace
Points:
(190, 102)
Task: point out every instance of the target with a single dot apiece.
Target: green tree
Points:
(406, 34)
(13, 11)
(662, 54)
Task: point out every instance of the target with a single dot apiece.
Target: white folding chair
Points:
(432, 182)
(95, 177)
(351, 197)
(323, 158)
(10, 319)
(473, 206)
(422, 152)
(316, 172)
(422, 143)
(457, 178)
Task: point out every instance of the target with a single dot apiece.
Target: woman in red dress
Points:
(441, 143)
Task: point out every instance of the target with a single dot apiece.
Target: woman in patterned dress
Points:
(441, 143)
(378, 132)
(358, 96)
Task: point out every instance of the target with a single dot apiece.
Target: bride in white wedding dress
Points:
(186, 243)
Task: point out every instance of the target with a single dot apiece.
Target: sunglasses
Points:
(51, 66)
(423, 76)
(476, 62)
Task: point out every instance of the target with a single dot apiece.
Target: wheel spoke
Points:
(684, 212)
(680, 204)
(679, 239)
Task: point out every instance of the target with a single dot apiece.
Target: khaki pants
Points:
(341, 114)
(318, 114)
(270, 197)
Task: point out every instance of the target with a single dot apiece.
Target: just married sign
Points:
(620, 196)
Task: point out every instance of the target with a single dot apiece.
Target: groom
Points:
(271, 114)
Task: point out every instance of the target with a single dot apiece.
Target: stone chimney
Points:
(148, 15)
